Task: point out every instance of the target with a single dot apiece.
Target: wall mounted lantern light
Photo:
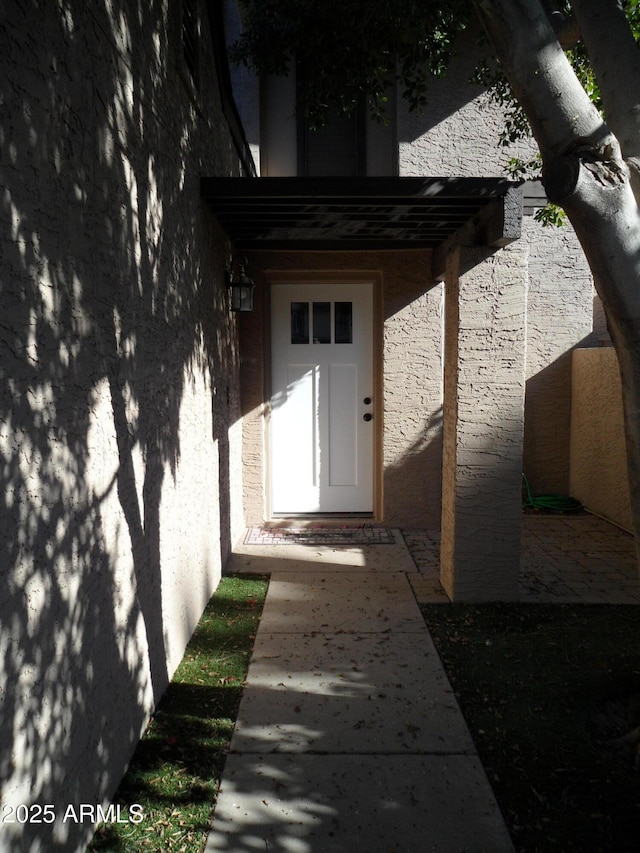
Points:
(240, 285)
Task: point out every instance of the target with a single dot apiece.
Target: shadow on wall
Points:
(103, 306)
(449, 94)
(547, 425)
(413, 483)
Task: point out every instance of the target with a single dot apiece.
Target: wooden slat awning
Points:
(363, 213)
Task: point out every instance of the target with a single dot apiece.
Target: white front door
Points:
(322, 428)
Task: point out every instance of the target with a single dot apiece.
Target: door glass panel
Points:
(343, 323)
(299, 322)
(322, 322)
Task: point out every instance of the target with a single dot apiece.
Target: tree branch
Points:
(561, 114)
(615, 58)
(565, 27)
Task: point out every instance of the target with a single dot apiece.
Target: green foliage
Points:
(525, 170)
(348, 51)
(354, 49)
(632, 10)
(176, 768)
(491, 77)
(521, 170)
(551, 216)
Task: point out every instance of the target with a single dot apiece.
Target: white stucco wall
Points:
(119, 420)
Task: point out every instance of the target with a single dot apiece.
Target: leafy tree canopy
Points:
(366, 45)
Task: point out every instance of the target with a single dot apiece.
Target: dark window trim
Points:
(359, 116)
(190, 39)
(229, 108)
(188, 58)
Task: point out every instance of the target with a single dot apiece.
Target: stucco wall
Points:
(483, 422)
(457, 134)
(410, 355)
(598, 447)
(559, 317)
(119, 422)
(412, 394)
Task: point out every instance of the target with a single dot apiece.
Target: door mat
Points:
(319, 536)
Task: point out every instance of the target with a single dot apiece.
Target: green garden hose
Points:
(551, 503)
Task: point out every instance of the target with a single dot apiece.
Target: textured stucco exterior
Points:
(598, 447)
(457, 134)
(485, 310)
(412, 376)
(119, 430)
(560, 306)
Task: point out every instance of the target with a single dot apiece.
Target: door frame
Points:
(334, 278)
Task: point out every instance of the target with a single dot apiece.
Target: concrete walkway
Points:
(349, 737)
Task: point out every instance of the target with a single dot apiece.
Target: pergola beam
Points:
(495, 226)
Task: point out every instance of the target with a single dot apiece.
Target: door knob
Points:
(367, 416)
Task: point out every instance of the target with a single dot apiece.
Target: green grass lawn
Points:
(546, 691)
(176, 767)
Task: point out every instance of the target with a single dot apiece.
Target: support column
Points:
(484, 387)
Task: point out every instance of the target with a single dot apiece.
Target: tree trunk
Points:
(584, 172)
(603, 211)
(615, 58)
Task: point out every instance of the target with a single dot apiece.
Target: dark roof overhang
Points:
(365, 213)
